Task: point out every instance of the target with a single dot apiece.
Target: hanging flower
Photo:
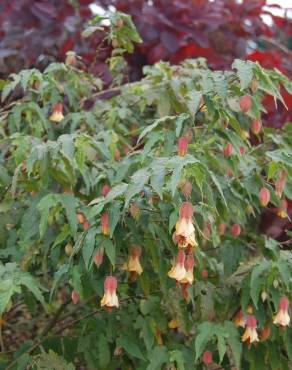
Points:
(282, 317)
(256, 126)
(133, 264)
(239, 319)
(282, 210)
(187, 189)
(184, 228)
(227, 150)
(135, 211)
(178, 271)
(57, 114)
(105, 223)
(189, 266)
(98, 258)
(250, 335)
(221, 229)
(182, 146)
(235, 230)
(105, 190)
(207, 358)
(110, 298)
(245, 103)
(264, 196)
(280, 183)
(265, 333)
(75, 296)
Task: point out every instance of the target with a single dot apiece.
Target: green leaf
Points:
(104, 356)
(193, 101)
(244, 71)
(157, 357)
(110, 250)
(205, 333)
(89, 245)
(233, 340)
(70, 204)
(130, 347)
(114, 216)
(177, 356)
(255, 282)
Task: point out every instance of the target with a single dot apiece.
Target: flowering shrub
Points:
(129, 233)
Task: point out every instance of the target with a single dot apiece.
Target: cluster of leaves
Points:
(52, 172)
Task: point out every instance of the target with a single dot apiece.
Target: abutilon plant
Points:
(146, 201)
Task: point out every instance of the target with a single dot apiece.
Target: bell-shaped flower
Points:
(184, 228)
(280, 183)
(133, 264)
(57, 114)
(110, 298)
(105, 223)
(178, 271)
(250, 335)
(239, 319)
(189, 266)
(282, 317)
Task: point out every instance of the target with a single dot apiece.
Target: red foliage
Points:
(34, 33)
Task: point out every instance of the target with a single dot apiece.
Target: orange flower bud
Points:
(221, 229)
(204, 274)
(105, 190)
(57, 114)
(264, 196)
(110, 298)
(207, 358)
(236, 230)
(182, 146)
(187, 189)
(256, 126)
(186, 211)
(245, 103)
(135, 211)
(280, 184)
(265, 333)
(282, 210)
(86, 225)
(117, 155)
(105, 223)
(189, 135)
(229, 172)
(75, 296)
(98, 258)
(227, 150)
(81, 218)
